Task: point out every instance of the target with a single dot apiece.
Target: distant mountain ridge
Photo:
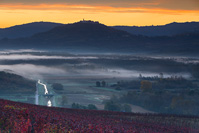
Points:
(81, 34)
(26, 30)
(171, 29)
(89, 36)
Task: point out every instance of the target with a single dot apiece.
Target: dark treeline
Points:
(157, 83)
(79, 106)
(164, 102)
(173, 95)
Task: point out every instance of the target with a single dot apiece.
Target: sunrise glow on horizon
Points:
(112, 12)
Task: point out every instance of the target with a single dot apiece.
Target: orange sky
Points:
(113, 12)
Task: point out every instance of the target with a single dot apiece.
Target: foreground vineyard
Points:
(21, 118)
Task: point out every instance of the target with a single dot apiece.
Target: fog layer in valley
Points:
(34, 64)
(79, 73)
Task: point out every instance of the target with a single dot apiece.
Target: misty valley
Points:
(91, 66)
(116, 82)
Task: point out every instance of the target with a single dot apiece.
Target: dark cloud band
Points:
(167, 4)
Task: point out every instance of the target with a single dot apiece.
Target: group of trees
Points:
(134, 84)
(164, 101)
(174, 82)
(101, 84)
(57, 86)
(161, 76)
(64, 103)
(161, 94)
(114, 105)
(147, 84)
(78, 106)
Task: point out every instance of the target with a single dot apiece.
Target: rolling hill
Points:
(21, 117)
(89, 36)
(82, 32)
(171, 29)
(80, 35)
(26, 30)
(12, 83)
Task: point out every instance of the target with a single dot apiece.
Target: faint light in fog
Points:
(49, 103)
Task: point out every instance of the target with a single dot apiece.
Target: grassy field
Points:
(84, 91)
(80, 90)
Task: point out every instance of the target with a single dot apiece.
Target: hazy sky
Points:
(109, 12)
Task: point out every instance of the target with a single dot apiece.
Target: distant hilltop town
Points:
(88, 21)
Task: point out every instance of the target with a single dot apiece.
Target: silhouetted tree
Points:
(57, 86)
(140, 76)
(111, 106)
(92, 107)
(98, 84)
(103, 83)
(78, 106)
(127, 108)
(161, 75)
(146, 86)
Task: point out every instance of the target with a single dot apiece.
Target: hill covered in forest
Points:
(89, 36)
(12, 83)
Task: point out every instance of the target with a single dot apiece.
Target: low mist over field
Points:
(33, 63)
